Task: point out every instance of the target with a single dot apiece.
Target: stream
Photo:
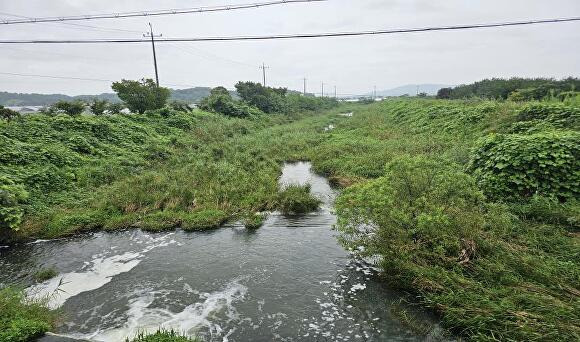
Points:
(290, 280)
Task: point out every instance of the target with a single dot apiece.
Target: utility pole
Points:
(150, 34)
(417, 90)
(375, 93)
(264, 67)
(335, 92)
(304, 86)
(322, 89)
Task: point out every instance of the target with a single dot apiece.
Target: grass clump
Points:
(23, 319)
(45, 274)
(163, 336)
(297, 199)
(204, 220)
(254, 220)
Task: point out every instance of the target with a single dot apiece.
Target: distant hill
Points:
(411, 89)
(190, 95)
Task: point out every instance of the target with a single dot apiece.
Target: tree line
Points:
(516, 89)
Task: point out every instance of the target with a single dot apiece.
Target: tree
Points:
(8, 114)
(444, 93)
(98, 107)
(221, 101)
(266, 99)
(73, 108)
(115, 108)
(143, 95)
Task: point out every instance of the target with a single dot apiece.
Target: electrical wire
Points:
(122, 15)
(296, 36)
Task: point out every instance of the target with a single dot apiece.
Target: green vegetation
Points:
(254, 220)
(8, 114)
(516, 89)
(23, 319)
(143, 95)
(502, 267)
(470, 205)
(297, 199)
(162, 336)
(45, 274)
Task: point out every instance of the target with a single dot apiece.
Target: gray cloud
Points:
(352, 64)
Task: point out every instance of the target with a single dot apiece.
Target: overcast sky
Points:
(354, 64)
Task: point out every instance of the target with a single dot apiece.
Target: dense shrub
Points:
(98, 107)
(22, 319)
(223, 103)
(12, 196)
(520, 166)
(557, 114)
(420, 212)
(73, 108)
(8, 114)
(297, 199)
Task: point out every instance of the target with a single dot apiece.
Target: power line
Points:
(122, 15)
(79, 78)
(74, 25)
(300, 35)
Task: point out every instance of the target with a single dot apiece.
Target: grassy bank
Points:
(470, 205)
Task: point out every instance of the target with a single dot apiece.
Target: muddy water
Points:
(288, 281)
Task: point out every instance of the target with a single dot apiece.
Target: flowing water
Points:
(287, 281)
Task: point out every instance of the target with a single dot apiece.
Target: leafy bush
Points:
(22, 319)
(98, 107)
(8, 114)
(520, 166)
(12, 196)
(220, 101)
(297, 199)
(420, 212)
(73, 108)
(557, 114)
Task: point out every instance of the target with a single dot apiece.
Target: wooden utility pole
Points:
(322, 89)
(335, 92)
(150, 34)
(304, 86)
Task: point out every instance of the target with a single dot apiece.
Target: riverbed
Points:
(290, 280)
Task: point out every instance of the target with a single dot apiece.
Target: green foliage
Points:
(98, 107)
(444, 93)
(421, 211)
(115, 108)
(297, 199)
(520, 166)
(204, 220)
(73, 108)
(143, 95)
(254, 220)
(45, 274)
(12, 196)
(556, 114)
(266, 99)
(179, 106)
(520, 89)
(220, 101)
(22, 319)
(162, 336)
(8, 114)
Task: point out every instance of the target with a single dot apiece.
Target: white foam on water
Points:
(93, 274)
(143, 318)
